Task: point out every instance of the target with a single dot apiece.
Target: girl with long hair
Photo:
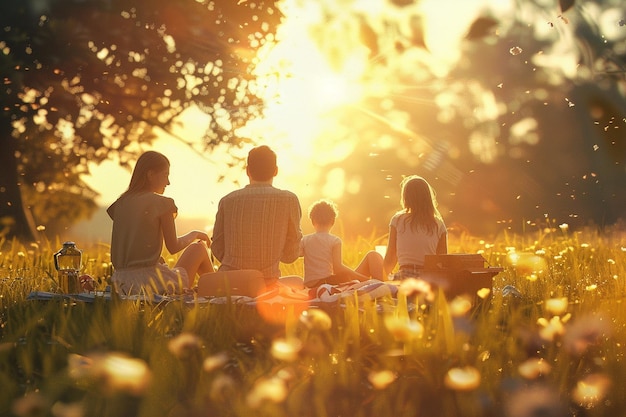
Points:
(415, 231)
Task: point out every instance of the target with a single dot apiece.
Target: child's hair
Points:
(148, 161)
(261, 163)
(323, 212)
(419, 202)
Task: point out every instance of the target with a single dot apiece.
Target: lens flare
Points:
(462, 379)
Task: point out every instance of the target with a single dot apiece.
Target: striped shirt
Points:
(257, 227)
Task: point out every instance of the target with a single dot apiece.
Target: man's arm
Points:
(291, 251)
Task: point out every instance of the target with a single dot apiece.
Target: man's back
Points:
(257, 227)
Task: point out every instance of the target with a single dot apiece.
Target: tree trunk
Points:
(14, 221)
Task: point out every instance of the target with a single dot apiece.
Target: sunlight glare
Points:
(302, 90)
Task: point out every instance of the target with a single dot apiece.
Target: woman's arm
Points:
(218, 246)
(391, 256)
(173, 243)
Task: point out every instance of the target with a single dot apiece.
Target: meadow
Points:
(547, 341)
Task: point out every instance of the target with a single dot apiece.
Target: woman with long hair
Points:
(143, 219)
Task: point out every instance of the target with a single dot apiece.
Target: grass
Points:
(548, 341)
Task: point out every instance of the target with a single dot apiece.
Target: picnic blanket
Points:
(279, 294)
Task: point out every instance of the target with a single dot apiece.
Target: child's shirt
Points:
(317, 250)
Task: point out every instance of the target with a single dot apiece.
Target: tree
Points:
(90, 80)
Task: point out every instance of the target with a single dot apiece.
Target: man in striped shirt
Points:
(258, 226)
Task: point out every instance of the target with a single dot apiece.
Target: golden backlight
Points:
(318, 66)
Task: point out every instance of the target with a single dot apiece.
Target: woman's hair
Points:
(261, 163)
(148, 161)
(323, 212)
(419, 202)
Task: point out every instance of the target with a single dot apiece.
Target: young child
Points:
(142, 220)
(415, 231)
(322, 252)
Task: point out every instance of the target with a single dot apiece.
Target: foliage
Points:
(87, 81)
(549, 339)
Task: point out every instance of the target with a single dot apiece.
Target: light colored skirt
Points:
(158, 279)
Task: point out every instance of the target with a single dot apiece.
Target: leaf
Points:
(481, 27)
(566, 5)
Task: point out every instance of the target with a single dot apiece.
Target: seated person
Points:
(256, 227)
(322, 252)
(415, 231)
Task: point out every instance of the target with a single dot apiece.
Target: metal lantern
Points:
(68, 262)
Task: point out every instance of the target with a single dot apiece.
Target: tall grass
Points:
(548, 339)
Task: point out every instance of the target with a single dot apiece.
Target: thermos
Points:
(68, 262)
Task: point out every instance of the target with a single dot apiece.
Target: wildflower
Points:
(585, 332)
(417, 287)
(527, 263)
(286, 349)
(404, 329)
(381, 379)
(556, 306)
(483, 293)
(271, 389)
(123, 374)
(459, 306)
(113, 372)
(533, 368)
(184, 345)
(550, 329)
(591, 390)
(462, 379)
(316, 319)
(214, 362)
